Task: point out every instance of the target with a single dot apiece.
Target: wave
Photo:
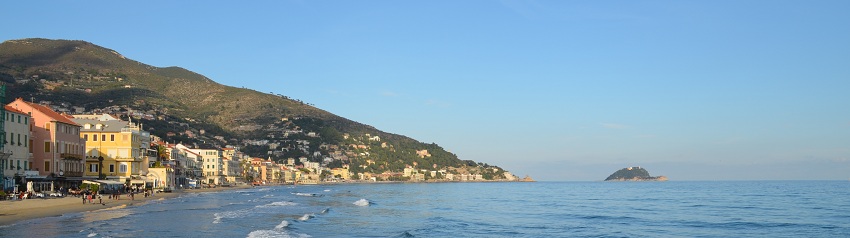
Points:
(230, 215)
(277, 204)
(283, 224)
(279, 231)
(306, 217)
(362, 202)
(308, 194)
(273, 234)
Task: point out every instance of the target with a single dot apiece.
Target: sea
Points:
(491, 209)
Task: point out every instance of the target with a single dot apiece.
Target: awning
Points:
(102, 182)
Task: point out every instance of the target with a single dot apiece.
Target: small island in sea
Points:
(633, 174)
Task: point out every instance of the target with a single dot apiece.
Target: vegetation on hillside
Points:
(179, 105)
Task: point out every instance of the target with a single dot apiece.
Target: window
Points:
(47, 126)
(30, 147)
(111, 137)
(46, 165)
(46, 148)
(19, 118)
(102, 137)
(86, 137)
(122, 168)
(19, 139)
(25, 141)
(25, 120)
(112, 168)
(94, 137)
(93, 168)
(12, 138)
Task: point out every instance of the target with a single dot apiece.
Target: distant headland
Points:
(633, 174)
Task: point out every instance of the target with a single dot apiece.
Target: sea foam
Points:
(306, 217)
(362, 202)
(277, 204)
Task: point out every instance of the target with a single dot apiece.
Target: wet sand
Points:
(14, 211)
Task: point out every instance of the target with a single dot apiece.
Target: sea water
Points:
(542, 209)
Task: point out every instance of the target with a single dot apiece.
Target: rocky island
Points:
(633, 174)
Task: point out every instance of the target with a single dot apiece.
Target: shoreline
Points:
(13, 212)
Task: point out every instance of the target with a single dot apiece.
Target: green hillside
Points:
(183, 106)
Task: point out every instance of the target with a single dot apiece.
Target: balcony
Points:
(71, 156)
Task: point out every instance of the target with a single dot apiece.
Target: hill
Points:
(179, 105)
(633, 174)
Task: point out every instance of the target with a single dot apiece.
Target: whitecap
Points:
(277, 204)
(326, 210)
(279, 231)
(92, 235)
(306, 217)
(327, 190)
(230, 215)
(362, 202)
(282, 225)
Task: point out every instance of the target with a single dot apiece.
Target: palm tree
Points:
(161, 153)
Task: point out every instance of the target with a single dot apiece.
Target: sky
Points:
(558, 90)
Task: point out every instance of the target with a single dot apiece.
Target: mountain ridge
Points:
(96, 77)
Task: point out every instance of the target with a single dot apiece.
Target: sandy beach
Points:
(14, 211)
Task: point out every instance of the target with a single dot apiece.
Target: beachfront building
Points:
(16, 144)
(57, 149)
(115, 149)
(210, 162)
(258, 170)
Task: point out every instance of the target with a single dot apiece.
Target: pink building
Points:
(58, 150)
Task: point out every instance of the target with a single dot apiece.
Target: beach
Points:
(20, 210)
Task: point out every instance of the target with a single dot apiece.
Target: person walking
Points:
(100, 198)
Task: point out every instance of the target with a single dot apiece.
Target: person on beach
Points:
(84, 199)
(100, 198)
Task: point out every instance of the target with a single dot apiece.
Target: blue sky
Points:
(560, 90)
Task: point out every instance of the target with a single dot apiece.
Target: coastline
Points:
(12, 212)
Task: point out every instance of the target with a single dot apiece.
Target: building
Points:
(115, 149)
(58, 149)
(17, 144)
(211, 164)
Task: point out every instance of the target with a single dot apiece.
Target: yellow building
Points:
(341, 173)
(119, 143)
